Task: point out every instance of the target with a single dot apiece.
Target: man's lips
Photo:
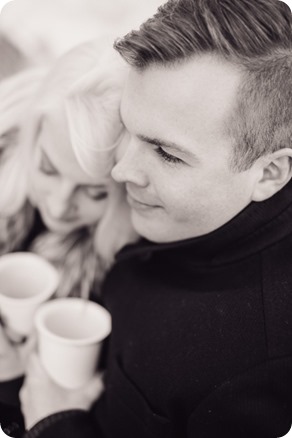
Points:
(139, 204)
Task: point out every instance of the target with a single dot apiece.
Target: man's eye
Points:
(167, 157)
(96, 193)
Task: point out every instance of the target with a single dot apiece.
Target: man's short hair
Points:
(255, 35)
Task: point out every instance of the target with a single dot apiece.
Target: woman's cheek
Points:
(41, 186)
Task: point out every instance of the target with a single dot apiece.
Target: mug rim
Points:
(49, 289)
(48, 306)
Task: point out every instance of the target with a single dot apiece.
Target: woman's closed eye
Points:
(95, 192)
(45, 166)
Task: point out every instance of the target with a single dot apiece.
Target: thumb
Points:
(34, 368)
(94, 388)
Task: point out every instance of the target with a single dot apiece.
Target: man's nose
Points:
(131, 166)
(61, 204)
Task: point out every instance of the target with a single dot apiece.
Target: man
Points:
(202, 305)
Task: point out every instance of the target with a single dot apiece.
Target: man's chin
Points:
(150, 230)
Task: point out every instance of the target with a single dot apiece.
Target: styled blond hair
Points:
(253, 35)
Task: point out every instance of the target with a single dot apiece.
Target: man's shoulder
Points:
(277, 297)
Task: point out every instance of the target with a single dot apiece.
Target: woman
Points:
(76, 219)
(48, 203)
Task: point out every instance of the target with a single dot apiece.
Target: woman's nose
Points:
(61, 204)
(130, 167)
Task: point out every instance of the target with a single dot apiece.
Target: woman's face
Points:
(66, 197)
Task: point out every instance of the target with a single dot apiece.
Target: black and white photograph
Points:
(145, 219)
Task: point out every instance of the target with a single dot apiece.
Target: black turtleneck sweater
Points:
(201, 345)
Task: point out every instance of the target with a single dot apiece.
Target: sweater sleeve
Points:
(73, 424)
(255, 404)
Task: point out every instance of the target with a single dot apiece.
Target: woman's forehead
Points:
(55, 141)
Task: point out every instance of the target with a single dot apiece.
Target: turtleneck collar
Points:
(258, 226)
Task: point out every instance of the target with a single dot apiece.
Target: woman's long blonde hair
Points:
(88, 80)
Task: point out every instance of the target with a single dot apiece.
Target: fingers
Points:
(34, 373)
(4, 343)
(10, 363)
(26, 349)
(34, 368)
(11, 336)
(15, 338)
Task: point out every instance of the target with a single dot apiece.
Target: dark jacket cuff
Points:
(74, 424)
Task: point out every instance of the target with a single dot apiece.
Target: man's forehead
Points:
(203, 89)
(198, 75)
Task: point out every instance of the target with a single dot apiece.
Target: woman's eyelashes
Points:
(95, 193)
(167, 157)
(45, 166)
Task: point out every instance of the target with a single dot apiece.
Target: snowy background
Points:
(44, 29)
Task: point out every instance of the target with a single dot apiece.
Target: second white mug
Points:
(70, 332)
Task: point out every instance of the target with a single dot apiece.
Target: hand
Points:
(41, 397)
(13, 357)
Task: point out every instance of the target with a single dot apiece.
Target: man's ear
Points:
(275, 173)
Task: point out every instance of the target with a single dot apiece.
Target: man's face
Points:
(176, 165)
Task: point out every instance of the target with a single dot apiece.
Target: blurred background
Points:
(38, 31)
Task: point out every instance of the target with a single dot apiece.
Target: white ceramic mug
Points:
(70, 332)
(26, 281)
